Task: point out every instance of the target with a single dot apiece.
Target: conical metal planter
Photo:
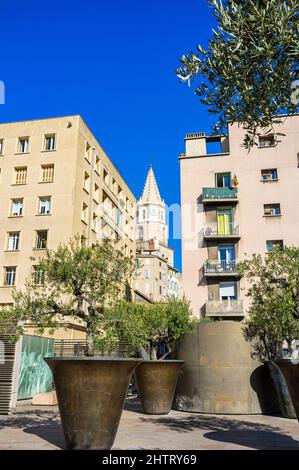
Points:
(156, 381)
(91, 394)
(290, 372)
(282, 391)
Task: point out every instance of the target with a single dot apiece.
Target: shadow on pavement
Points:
(44, 424)
(255, 439)
(244, 433)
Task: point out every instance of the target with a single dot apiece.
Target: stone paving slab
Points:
(39, 428)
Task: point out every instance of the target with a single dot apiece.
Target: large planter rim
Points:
(164, 361)
(93, 358)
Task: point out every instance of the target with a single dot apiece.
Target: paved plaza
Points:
(39, 428)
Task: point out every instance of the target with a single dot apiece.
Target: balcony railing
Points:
(233, 307)
(219, 194)
(219, 231)
(220, 268)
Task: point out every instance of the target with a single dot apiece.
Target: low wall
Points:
(219, 374)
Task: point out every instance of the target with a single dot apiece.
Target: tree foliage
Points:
(247, 71)
(79, 282)
(273, 316)
(151, 326)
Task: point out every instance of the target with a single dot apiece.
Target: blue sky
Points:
(113, 63)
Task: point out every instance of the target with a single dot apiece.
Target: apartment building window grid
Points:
(13, 241)
(10, 275)
(23, 145)
(16, 207)
(47, 173)
(50, 142)
(44, 205)
(41, 239)
(21, 175)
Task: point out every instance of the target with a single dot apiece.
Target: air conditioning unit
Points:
(207, 231)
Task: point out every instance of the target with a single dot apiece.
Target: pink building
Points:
(235, 203)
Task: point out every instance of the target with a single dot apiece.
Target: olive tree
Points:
(273, 315)
(75, 280)
(247, 72)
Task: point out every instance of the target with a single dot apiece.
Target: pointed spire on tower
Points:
(150, 192)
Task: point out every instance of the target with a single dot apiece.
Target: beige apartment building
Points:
(156, 276)
(56, 182)
(235, 203)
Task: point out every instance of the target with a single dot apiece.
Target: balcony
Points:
(217, 232)
(220, 269)
(219, 308)
(219, 195)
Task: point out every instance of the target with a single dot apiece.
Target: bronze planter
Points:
(156, 381)
(291, 374)
(282, 391)
(91, 394)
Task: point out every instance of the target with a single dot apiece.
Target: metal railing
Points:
(224, 307)
(221, 267)
(215, 230)
(219, 193)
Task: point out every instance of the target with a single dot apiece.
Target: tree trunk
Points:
(89, 343)
(153, 354)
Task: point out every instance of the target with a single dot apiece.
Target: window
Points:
(223, 180)
(1, 146)
(47, 173)
(269, 175)
(84, 214)
(227, 290)
(16, 207)
(95, 222)
(147, 273)
(44, 205)
(226, 253)
(105, 177)
(114, 185)
(41, 239)
(271, 244)
(38, 276)
(272, 210)
(267, 140)
(21, 175)
(96, 193)
(86, 182)
(23, 145)
(13, 241)
(98, 165)
(10, 275)
(50, 142)
(87, 152)
(224, 222)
